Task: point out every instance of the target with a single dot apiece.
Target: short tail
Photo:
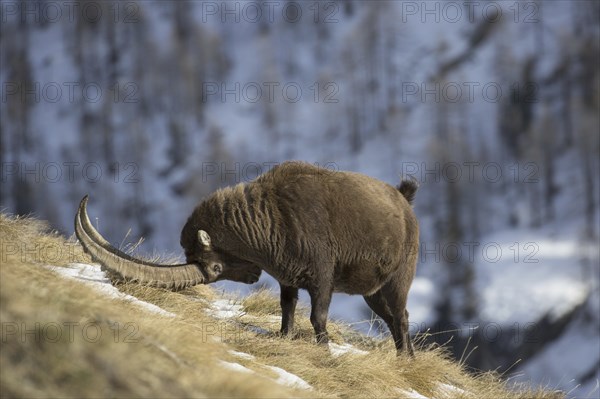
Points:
(408, 188)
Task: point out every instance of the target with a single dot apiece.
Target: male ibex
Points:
(307, 227)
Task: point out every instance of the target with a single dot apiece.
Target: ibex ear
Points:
(204, 238)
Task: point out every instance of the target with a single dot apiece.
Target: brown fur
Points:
(318, 230)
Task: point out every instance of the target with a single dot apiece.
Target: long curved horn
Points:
(173, 277)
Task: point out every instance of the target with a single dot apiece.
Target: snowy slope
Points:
(92, 275)
(226, 309)
(522, 277)
(573, 359)
(169, 85)
(526, 278)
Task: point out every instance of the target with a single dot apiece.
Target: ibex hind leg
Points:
(378, 305)
(395, 293)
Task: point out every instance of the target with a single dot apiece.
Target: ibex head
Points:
(207, 268)
(200, 248)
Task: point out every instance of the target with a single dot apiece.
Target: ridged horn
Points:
(172, 277)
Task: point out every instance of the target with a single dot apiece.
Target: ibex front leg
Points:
(289, 299)
(320, 298)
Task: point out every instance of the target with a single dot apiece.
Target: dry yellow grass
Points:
(144, 354)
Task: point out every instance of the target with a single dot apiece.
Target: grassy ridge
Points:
(110, 347)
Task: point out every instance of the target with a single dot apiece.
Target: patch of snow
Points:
(241, 355)
(288, 379)
(225, 309)
(276, 320)
(235, 367)
(574, 354)
(339, 350)
(410, 394)
(283, 377)
(518, 264)
(422, 299)
(271, 319)
(443, 391)
(257, 329)
(449, 391)
(93, 275)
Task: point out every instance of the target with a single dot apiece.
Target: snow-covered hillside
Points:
(228, 311)
(92, 275)
(492, 107)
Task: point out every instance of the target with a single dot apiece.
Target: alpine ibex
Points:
(307, 227)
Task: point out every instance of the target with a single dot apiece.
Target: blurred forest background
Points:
(493, 106)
